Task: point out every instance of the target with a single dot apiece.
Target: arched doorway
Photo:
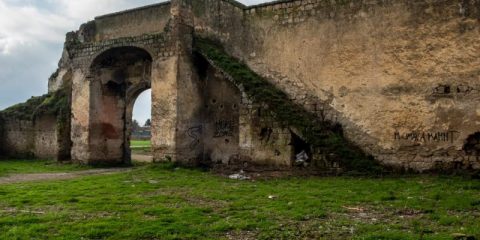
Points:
(140, 129)
(119, 75)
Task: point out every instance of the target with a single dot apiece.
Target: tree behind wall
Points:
(148, 123)
(135, 125)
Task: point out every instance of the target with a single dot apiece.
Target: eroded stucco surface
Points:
(400, 77)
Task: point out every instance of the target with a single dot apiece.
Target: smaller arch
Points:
(130, 47)
(130, 130)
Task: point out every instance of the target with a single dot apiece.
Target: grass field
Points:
(30, 166)
(140, 143)
(141, 146)
(165, 202)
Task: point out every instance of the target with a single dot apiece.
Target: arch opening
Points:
(139, 131)
(118, 76)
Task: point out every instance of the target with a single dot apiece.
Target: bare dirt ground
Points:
(19, 178)
(145, 158)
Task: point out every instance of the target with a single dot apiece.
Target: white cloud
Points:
(88, 9)
(25, 25)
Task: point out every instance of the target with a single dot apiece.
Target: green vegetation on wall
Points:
(55, 104)
(52, 103)
(324, 137)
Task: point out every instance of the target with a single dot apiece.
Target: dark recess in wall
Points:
(472, 145)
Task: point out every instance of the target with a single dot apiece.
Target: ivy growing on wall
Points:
(52, 103)
(324, 136)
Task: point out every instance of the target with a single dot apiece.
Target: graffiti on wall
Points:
(447, 136)
(194, 133)
(224, 128)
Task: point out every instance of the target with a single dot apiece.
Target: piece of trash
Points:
(461, 236)
(301, 159)
(356, 209)
(272, 197)
(239, 176)
(152, 181)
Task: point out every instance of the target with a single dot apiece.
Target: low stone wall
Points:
(38, 128)
(18, 138)
(134, 22)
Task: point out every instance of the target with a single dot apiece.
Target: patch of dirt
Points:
(190, 198)
(144, 158)
(266, 173)
(241, 235)
(254, 172)
(19, 178)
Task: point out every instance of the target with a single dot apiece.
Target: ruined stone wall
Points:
(27, 138)
(18, 138)
(46, 141)
(37, 128)
(402, 77)
(222, 20)
(263, 140)
(144, 25)
(221, 125)
(135, 22)
(237, 130)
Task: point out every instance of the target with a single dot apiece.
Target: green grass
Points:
(140, 143)
(164, 202)
(35, 166)
(141, 146)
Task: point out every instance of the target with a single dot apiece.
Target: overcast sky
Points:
(32, 33)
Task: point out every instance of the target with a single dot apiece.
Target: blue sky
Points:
(32, 33)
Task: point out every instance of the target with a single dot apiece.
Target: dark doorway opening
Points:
(472, 145)
(302, 151)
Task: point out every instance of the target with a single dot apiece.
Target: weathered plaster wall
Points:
(221, 125)
(18, 139)
(238, 131)
(80, 116)
(262, 140)
(381, 68)
(164, 108)
(27, 138)
(45, 134)
(222, 20)
(401, 77)
(189, 112)
(135, 22)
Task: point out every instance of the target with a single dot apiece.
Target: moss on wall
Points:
(52, 103)
(325, 137)
(31, 113)
(26, 110)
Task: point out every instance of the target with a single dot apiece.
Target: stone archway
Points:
(118, 75)
(133, 94)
